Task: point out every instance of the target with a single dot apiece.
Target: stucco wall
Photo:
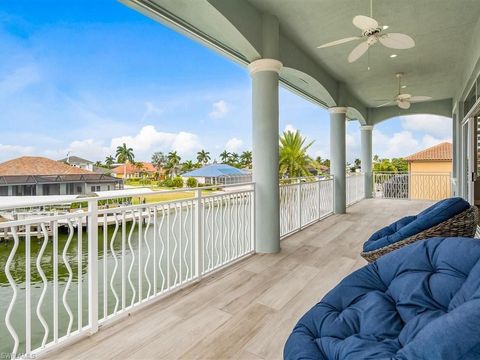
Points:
(430, 180)
(431, 166)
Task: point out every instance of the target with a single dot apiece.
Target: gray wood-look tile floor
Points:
(247, 310)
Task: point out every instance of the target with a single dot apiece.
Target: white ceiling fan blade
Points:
(385, 104)
(404, 96)
(403, 104)
(397, 41)
(364, 22)
(420, 98)
(358, 51)
(338, 42)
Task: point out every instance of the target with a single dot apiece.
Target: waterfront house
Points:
(135, 171)
(218, 174)
(78, 162)
(33, 176)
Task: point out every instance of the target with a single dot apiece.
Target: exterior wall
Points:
(60, 188)
(99, 187)
(430, 180)
(430, 166)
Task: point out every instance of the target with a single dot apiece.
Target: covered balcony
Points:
(247, 310)
(207, 276)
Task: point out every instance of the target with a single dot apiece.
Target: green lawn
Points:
(168, 196)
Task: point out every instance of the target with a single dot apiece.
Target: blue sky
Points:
(86, 77)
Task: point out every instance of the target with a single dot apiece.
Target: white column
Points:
(264, 74)
(338, 164)
(366, 140)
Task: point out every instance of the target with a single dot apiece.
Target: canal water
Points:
(174, 262)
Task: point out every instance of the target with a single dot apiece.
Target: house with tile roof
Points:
(435, 159)
(430, 172)
(34, 175)
(134, 171)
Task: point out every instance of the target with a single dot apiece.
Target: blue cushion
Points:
(419, 302)
(411, 225)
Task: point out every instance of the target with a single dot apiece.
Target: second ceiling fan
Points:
(372, 33)
(403, 101)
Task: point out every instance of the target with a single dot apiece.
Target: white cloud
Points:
(234, 145)
(437, 126)
(402, 143)
(19, 79)
(13, 151)
(144, 144)
(290, 127)
(219, 109)
(429, 140)
(149, 140)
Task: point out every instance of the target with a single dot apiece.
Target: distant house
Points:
(31, 176)
(219, 174)
(137, 170)
(78, 162)
(436, 164)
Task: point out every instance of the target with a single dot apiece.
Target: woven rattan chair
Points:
(461, 225)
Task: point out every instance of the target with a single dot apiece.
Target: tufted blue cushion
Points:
(411, 225)
(419, 302)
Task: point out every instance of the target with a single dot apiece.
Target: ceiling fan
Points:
(372, 33)
(403, 101)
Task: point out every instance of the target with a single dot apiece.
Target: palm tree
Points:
(98, 164)
(173, 160)
(124, 154)
(109, 160)
(188, 165)
(246, 159)
(203, 156)
(224, 156)
(293, 158)
(233, 159)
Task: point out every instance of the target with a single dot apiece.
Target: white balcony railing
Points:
(67, 273)
(303, 201)
(413, 186)
(355, 188)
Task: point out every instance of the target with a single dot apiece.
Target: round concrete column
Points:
(265, 76)
(366, 140)
(338, 156)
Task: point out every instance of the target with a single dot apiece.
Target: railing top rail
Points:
(45, 219)
(111, 197)
(410, 173)
(317, 177)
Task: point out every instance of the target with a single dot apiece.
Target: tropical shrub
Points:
(168, 182)
(192, 182)
(177, 182)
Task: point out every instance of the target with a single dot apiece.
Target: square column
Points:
(265, 130)
(338, 161)
(366, 142)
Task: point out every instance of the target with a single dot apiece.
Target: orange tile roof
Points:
(132, 168)
(440, 152)
(35, 165)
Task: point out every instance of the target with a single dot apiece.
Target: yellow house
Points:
(430, 172)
